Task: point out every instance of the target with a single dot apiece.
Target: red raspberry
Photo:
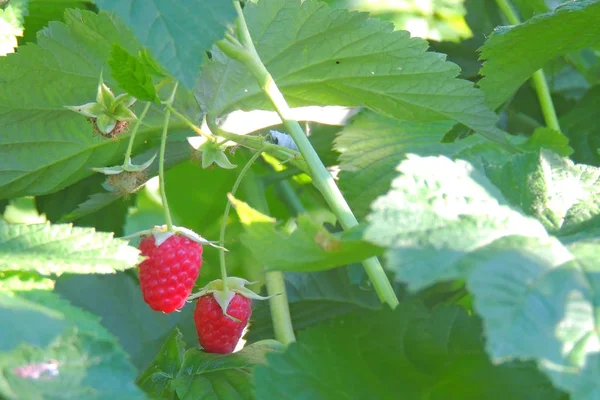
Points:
(218, 333)
(168, 275)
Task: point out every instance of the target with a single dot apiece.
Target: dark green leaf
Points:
(178, 32)
(45, 147)
(156, 380)
(581, 126)
(131, 74)
(314, 297)
(409, 353)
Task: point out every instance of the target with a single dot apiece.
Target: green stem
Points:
(133, 132)
(226, 215)
(161, 159)
(538, 77)
(274, 280)
(322, 179)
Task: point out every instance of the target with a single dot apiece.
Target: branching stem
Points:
(322, 179)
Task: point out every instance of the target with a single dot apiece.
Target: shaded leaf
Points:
(50, 349)
(546, 138)
(410, 351)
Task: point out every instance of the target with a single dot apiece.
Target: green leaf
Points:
(580, 124)
(563, 196)
(156, 380)
(55, 249)
(178, 32)
(198, 375)
(362, 62)
(44, 146)
(131, 74)
(372, 146)
(535, 297)
(314, 297)
(50, 349)
(441, 210)
(310, 247)
(409, 351)
(205, 375)
(546, 138)
(514, 53)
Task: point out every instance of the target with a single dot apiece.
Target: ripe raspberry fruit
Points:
(218, 333)
(168, 275)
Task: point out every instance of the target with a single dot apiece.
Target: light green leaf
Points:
(436, 212)
(56, 249)
(50, 349)
(362, 63)
(310, 247)
(409, 353)
(14, 281)
(546, 138)
(372, 146)
(536, 297)
(514, 53)
(563, 196)
(11, 25)
(178, 32)
(131, 74)
(44, 146)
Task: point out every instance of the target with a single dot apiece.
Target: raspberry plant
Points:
(398, 214)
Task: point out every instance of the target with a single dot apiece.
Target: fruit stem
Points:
(322, 179)
(274, 280)
(133, 132)
(161, 159)
(234, 189)
(538, 77)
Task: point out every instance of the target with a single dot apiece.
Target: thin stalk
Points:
(133, 132)
(538, 77)
(274, 280)
(322, 179)
(236, 184)
(161, 160)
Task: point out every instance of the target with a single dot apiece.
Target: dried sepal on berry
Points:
(161, 233)
(225, 291)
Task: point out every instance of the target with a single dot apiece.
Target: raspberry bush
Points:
(294, 199)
